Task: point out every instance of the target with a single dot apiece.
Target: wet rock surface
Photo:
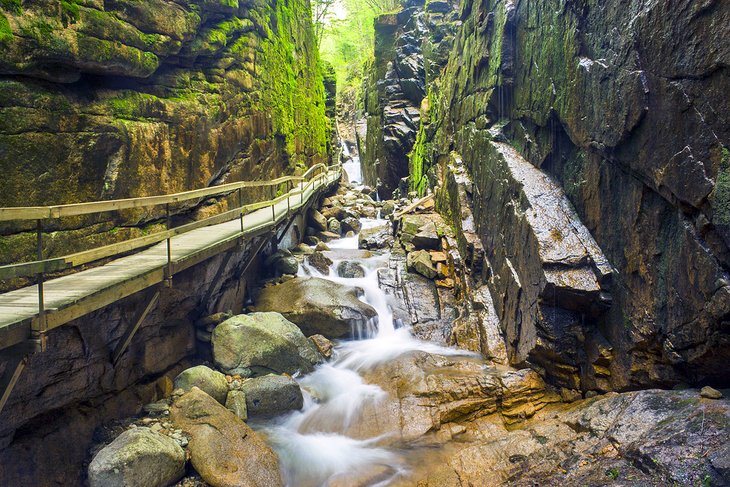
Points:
(206, 379)
(271, 395)
(317, 306)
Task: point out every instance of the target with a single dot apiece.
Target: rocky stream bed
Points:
(366, 359)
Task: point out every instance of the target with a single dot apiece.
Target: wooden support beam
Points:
(127, 338)
(15, 360)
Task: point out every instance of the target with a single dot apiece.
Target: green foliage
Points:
(69, 12)
(348, 41)
(6, 32)
(613, 473)
(12, 6)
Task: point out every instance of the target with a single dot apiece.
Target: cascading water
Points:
(351, 165)
(313, 444)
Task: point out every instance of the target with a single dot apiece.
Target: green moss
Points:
(12, 6)
(6, 33)
(69, 12)
(720, 196)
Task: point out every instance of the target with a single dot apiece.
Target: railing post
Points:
(39, 334)
(169, 245)
(289, 187)
(240, 208)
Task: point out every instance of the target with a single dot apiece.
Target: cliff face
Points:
(118, 98)
(590, 140)
(411, 47)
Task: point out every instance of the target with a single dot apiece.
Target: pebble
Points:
(710, 393)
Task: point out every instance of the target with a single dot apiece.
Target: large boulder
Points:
(282, 262)
(317, 306)
(378, 237)
(272, 395)
(262, 343)
(320, 262)
(139, 456)
(350, 269)
(317, 220)
(223, 449)
(211, 381)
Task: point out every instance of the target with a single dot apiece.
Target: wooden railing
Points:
(295, 185)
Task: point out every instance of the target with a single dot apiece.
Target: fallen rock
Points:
(139, 456)
(427, 237)
(378, 237)
(236, 403)
(333, 225)
(420, 261)
(321, 247)
(211, 381)
(272, 395)
(388, 208)
(327, 236)
(282, 262)
(317, 306)
(323, 345)
(351, 224)
(350, 270)
(223, 449)
(320, 262)
(710, 393)
(317, 220)
(262, 343)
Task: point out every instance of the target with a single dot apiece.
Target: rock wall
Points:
(118, 98)
(410, 49)
(590, 139)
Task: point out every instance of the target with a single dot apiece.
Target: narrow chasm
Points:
(364, 243)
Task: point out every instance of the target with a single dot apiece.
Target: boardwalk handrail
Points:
(76, 209)
(57, 264)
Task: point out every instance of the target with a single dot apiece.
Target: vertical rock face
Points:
(115, 99)
(593, 136)
(410, 47)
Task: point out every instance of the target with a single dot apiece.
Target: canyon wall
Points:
(411, 47)
(581, 147)
(104, 99)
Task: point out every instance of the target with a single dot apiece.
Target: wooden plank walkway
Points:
(74, 295)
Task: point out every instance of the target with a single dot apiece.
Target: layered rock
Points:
(557, 119)
(125, 99)
(408, 45)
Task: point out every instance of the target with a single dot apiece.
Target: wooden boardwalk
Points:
(69, 297)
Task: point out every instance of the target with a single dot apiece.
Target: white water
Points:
(312, 444)
(352, 167)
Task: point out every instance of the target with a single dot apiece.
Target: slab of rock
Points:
(323, 345)
(378, 237)
(272, 395)
(317, 306)
(236, 403)
(211, 381)
(351, 224)
(317, 220)
(427, 237)
(262, 343)
(420, 261)
(223, 449)
(139, 456)
(333, 225)
(320, 262)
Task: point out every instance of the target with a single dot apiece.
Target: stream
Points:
(313, 444)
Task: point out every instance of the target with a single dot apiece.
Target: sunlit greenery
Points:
(347, 35)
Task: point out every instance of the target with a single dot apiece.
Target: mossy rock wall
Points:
(115, 99)
(625, 105)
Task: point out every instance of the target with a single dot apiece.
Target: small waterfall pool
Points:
(313, 444)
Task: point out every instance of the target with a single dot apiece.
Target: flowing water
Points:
(313, 444)
(351, 165)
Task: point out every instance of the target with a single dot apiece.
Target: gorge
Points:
(507, 261)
